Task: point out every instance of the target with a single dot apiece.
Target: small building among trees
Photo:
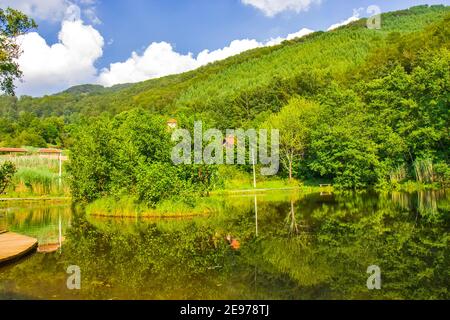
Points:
(172, 123)
(229, 141)
(13, 152)
(50, 153)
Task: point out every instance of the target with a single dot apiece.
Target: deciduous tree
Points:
(13, 23)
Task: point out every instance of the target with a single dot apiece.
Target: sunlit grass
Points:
(129, 207)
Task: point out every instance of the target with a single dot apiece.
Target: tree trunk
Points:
(290, 170)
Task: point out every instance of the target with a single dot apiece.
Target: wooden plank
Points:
(48, 248)
(13, 246)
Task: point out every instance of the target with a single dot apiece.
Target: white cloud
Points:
(91, 15)
(235, 47)
(299, 34)
(158, 60)
(73, 13)
(88, 2)
(53, 10)
(52, 68)
(354, 17)
(274, 7)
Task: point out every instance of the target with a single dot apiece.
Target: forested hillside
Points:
(382, 100)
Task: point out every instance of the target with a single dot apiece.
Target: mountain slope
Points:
(234, 92)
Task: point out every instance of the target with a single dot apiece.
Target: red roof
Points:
(49, 151)
(13, 150)
(229, 140)
(172, 121)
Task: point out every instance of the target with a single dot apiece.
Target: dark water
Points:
(308, 247)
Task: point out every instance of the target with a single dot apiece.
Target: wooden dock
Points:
(48, 248)
(13, 246)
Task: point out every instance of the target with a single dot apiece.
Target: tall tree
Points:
(295, 122)
(13, 23)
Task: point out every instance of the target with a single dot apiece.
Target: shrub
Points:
(157, 182)
(442, 174)
(7, 172)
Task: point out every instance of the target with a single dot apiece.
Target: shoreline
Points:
(406, 188)
(151, 216)
(34, 199)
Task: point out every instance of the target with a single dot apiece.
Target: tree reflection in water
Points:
(322, 255)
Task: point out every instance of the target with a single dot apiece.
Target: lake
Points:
(302, 246)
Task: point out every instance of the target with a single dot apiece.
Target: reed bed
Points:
(423, 169)
(36, 176)
(399, 174)
(32, 161)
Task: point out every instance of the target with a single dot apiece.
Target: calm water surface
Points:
(308, 247)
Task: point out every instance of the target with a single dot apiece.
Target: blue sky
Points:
(116, 28)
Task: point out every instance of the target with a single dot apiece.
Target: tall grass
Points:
(3, 224)
(399, 174)
(36, 176)
(33, 161)
(36, 180)
(423, 169)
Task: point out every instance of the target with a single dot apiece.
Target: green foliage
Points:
(7, 172)
(90, 170)
(382, 100)
(27, 129)
(395, 113)
(294, 122)
(442, 174)
(157, 182)
(36, 176)
(130, 155)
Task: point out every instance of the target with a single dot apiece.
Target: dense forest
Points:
(380, 100)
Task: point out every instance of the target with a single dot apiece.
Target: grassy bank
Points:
(128, 207)
(236, 181)
(413, 186)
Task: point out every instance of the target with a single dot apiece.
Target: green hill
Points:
(232, 83)
(86, 89)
